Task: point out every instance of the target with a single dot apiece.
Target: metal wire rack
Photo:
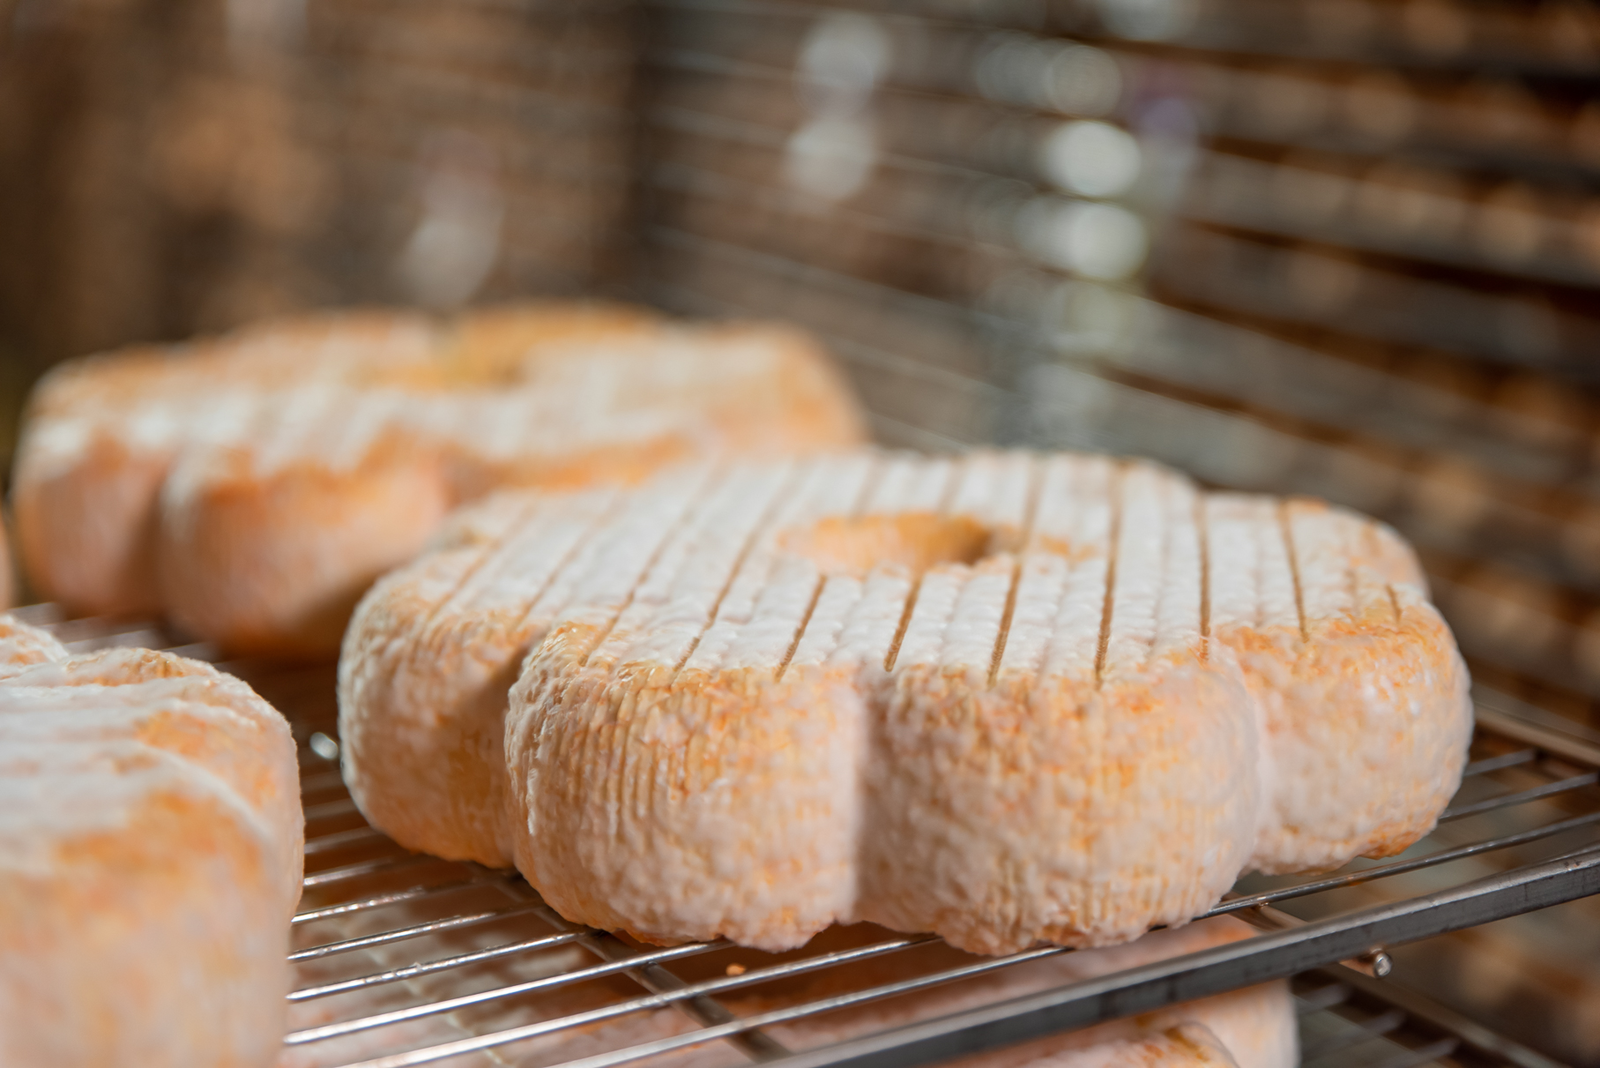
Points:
(404, 959)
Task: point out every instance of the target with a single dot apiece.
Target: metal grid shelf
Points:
(404, 959)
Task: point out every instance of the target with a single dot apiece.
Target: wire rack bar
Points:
(1521, 797)
(327, 843)
(1507, 721)
(1488, 764)
(328, 809)
(368, 867)
(597, 971)
(397, 897)
(1400, 867)
(317, 783)
(414, 931)
(413, 971)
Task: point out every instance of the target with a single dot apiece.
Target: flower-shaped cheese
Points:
(1006, 698)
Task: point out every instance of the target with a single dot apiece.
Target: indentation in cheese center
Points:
(915, 541)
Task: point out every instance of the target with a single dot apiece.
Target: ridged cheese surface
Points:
(1005, 698)
(150, 858)
(254, 485)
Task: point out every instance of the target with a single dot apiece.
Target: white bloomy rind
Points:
(150, 858)
(1007, 698)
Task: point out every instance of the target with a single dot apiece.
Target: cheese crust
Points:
(150, 859)
(1008, 698)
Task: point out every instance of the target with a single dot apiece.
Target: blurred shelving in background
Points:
(174, 167)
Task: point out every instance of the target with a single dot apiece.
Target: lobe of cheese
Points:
(1326, 612)
(150, 855)
(1006, 698)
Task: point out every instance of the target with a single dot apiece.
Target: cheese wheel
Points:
(150, 858)
(1007, 698)
(100, 435)
(253, 486)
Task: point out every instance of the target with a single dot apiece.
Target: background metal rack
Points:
(437, 941)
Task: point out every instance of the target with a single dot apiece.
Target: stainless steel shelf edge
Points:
(1215, 971)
